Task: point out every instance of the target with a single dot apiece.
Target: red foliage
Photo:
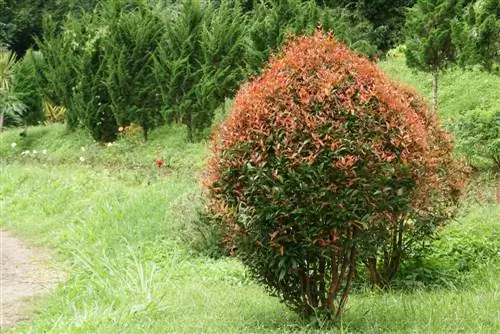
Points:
(319, 153)
(318, 70)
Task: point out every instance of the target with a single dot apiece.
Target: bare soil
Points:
(25, 272)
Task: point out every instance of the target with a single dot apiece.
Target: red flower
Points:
(159, 163)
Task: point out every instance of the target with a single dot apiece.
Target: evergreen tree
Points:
(476, 35)
(387, 18)
(443, 33)
(429, 45)
(21, 21)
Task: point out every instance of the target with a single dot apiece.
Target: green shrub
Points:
(26, 84)
(202, 59)
(272, 21)
(322, 158)
(478, 136)
(100, 68)
(459, 251)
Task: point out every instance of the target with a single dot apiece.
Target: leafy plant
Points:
(53, 113)
(478, 136)
(315, 165)
(26, 83)
(11, 107)
(203, 57)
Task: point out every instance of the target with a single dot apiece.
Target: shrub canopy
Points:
(319, 154)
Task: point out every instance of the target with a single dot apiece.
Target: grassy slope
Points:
(458, 92)
(117, 222)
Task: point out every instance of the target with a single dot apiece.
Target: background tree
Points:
(476, 35)
(429, 45)
(387, 18)
(21, 21)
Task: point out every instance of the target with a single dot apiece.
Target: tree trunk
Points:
(435, 77)
(497, 178)
(371, 264)
(1, 121)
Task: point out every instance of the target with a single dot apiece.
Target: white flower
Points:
(83, 149)
(35, 151)
(25, 152)
(44, 152)
(13, 145)
(109, 144)
(82, 159)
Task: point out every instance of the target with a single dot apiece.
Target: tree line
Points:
(110, 63)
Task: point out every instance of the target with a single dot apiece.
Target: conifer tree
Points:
(476, 35)
(429, 45)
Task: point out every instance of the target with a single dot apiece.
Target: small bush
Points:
(459, 252)
(26, 84)
(320, 156)
(478, 136)
(53, 113)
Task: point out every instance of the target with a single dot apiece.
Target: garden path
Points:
(24, 273)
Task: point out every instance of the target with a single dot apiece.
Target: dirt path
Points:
(23, 274)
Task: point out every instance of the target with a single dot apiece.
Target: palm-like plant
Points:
(10, 105)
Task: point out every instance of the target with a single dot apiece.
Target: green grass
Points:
(459, 90)
(120, 228)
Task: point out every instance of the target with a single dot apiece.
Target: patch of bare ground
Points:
(25, 272)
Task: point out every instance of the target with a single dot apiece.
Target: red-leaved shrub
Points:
(323, 159)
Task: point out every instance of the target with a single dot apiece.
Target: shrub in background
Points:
(320, 155)
(203, 57)
(134, 95)
(272, 21)
(478, 136)
(100, 68)
(26, 85)
(66, 59)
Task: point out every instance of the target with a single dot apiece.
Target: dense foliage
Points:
(132, 61)
(272, 20)
(478, 136)
(26, 85)
(21, 21)
(320, 156)
(387, 17)
(440, 34)
(476, 35)
(11, 107)
(203, 55)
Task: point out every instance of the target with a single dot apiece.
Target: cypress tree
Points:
(476, 35)
(429, 45)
